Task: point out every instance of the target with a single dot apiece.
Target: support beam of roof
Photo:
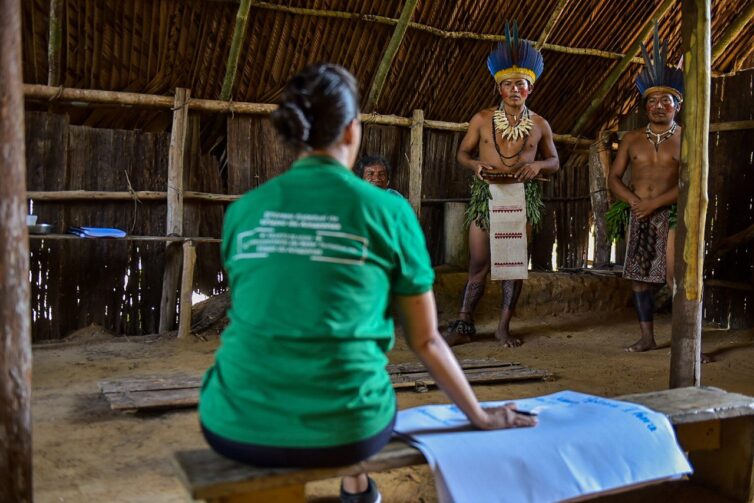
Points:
(428, 29)
(550, 24)
(686, 331)
(239, 33)
(55, 42)
(732, 32)
(618, 69)
(15, 311)
(380, 76)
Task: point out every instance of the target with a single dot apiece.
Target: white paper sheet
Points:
(582, 445)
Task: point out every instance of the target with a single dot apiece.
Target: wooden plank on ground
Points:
(181, 390)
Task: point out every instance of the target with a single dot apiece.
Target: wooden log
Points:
(619, 68)
(84, 96)
(55, 41)
(554, 16)
(380, 75)
(239, 34)
(685, 350)
(733, 30)
(187, 288)
(731, 126)
(455, 239)
(174, 226)
(453, 35)
(415, 165)
(141, 195)
(600, 203)
(15, 316)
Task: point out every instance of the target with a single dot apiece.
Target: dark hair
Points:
(371, 160)
(317, 104)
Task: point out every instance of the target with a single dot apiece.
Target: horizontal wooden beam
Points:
(159, 239)
(428, 29)
(138, 195)
(731, 126)
(117, 98)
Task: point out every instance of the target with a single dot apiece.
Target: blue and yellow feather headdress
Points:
(515, 58)
(657, 75)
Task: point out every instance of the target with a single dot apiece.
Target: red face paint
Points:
(661, 107)
(514, 91)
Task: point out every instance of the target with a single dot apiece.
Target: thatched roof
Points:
(154, 46)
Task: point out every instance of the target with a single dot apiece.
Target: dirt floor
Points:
(84, 452)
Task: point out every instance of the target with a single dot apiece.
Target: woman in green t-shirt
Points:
(315, 258)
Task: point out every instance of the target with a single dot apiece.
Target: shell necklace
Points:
(515, 131)
(657, 138)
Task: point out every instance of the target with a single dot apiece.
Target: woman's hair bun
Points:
(292, 123)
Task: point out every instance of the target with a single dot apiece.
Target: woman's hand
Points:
(500, 418)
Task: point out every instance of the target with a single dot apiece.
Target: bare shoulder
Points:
(539, 121)
(632, 136)
(481, 118)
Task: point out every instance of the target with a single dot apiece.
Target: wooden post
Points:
(15, 329)
(618, 69)
(174, 226)
(416, 161)
(380, 76)
(600, 204)
(685, 349)
(239, 33)
(55, 41)
(187, 288)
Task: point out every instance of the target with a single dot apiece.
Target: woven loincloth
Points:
(509, 258)
(478, 209)
(647, 243)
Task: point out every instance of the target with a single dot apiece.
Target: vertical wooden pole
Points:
(187, 288)
(15, 329)
(685, 349)
(598, 190)
(174, 227)
(55, 42)
(416, 161)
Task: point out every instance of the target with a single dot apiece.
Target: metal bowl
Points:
(40, 228)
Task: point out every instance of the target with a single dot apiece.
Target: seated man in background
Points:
(376, 170)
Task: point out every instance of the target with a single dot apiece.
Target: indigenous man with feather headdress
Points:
(649, 199)
(508, 148)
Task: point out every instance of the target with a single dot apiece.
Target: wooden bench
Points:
(715, 427)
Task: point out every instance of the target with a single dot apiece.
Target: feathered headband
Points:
(656, 75)
(515, 58)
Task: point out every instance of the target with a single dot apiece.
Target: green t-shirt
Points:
(313, 257)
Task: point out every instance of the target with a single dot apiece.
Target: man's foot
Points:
(459, 332)
(371, 495)
(507, 340)
(642, 345)
(707, 358)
